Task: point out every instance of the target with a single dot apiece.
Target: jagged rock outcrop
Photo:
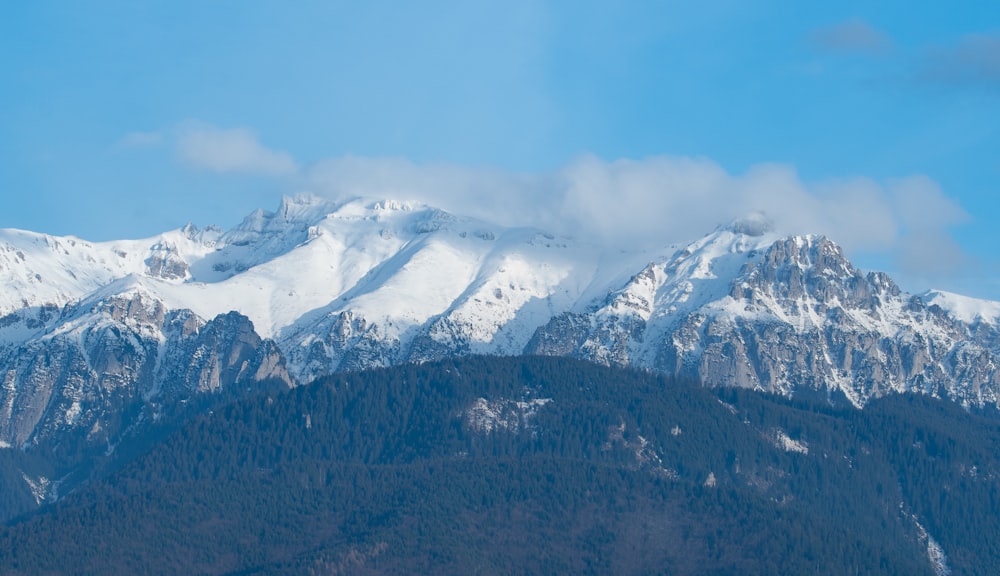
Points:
(165, 262)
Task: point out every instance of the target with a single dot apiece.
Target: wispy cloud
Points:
(141, 140)
(854, 35)
(234, 150)
(924, 248)
(973, 61)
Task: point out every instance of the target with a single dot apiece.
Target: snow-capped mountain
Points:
(96, 338)
(786, 315)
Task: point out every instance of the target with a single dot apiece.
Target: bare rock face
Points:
(564, 335)
(165, 262)
(341, 341)
(104, 368)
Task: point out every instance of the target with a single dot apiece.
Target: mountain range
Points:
(101, 340)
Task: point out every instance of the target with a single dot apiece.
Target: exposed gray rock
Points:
(341, 341)
(164, 262)
(113, 363)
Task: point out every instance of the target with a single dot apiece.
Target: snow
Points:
(966, 309)
(39, 488)
(486, 416)
(39, 269)
(783, 441)
(935, 554)
(692, 278)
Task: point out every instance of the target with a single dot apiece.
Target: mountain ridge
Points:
(402, 263)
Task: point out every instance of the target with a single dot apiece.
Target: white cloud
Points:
(230, 150)
(141, 140)
(929, 255)
(500, 196)
(921, 204)
(664, 200)
(924, 249)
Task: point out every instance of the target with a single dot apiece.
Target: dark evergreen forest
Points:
(488, 465)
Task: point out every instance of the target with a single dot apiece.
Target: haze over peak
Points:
(753, 224)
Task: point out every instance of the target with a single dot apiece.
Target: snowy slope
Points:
(405, 269)
(964, 308)
(39, 270)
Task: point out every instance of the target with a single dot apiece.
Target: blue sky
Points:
(646, 121)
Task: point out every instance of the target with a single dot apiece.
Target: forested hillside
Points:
(537, 465)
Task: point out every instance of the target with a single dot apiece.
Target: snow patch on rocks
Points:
(781, 440)
(486, 416)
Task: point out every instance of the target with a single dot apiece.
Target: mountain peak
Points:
(303, 204)
(294, 213)
(388, 205)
